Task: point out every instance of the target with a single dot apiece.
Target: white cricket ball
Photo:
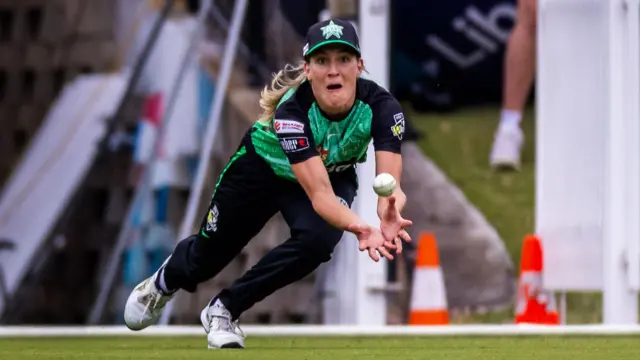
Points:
(384, 184)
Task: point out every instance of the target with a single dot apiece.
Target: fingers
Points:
(391, 200)
(404, 235)
(389, 245)
(373, 255)
(398, 243)
(405, 223)
(362, 246)
(384, 252)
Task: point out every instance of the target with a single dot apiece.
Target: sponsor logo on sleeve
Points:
(288, 126)
(398, 128)
(294, 143)
(212, 219)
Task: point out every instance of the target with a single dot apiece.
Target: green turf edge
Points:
(316, 348)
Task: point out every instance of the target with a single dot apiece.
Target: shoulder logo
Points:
(398, 128)
(332, 30)
(288, 126)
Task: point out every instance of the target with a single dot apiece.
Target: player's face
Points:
(333, 73)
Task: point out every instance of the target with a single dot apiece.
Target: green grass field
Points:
(459, 143)
(345, 348)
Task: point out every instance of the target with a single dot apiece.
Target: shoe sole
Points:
(505, 166)
(225, 340)
(203, 321)
(231, 345)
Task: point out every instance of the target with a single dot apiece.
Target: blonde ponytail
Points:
(288, 78)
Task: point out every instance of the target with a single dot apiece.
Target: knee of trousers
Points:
(318, 246)
(192, 260)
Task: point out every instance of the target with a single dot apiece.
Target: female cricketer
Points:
(298, 159)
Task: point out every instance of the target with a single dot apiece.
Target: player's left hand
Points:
(393, 225)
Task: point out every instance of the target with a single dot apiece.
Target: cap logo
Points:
(332, 30)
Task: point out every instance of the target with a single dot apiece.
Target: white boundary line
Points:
(327, 330)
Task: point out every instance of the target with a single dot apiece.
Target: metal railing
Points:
(14, 301)
(142, 188)
(231, 47)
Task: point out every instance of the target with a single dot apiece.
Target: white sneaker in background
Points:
(507, 145)
(222, 333)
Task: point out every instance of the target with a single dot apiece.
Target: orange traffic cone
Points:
(535, 305)
(428, 298)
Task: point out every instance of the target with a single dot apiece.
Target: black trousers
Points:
(247, 195)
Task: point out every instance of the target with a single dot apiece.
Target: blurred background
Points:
(104, 109)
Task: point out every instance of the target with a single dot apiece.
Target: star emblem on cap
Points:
(331, 30)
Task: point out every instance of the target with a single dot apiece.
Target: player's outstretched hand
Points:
(371, 239)
(393, 225)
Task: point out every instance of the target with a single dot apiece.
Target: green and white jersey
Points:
(300, 130)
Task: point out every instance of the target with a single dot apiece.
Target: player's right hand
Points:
(371, 239)
(393, 225)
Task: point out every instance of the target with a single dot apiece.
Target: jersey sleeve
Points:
(387, 127)
(294, 133)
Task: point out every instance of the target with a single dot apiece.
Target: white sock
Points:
(215, 302)
(161, 284)
(510, 119)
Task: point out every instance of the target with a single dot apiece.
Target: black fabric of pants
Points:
(248, 194)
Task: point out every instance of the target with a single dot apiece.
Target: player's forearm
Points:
(333, 211)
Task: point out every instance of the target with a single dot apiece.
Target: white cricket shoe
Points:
(222, 333)
(507, 145)
(145, 304)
